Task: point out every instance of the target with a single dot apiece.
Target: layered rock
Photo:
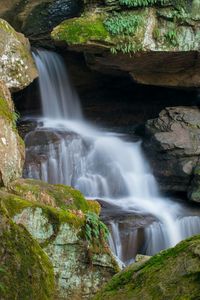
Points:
(171, 274)
(173, 146)
(17, 68)
(25, 270)
(155, 45)
(11, 146)
(36, 18)
(58, 217)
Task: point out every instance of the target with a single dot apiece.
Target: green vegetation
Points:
(123, 23)
(138, 3)
(171, 38)
(96, 232)
(81, 30)
(143, 280)
(26, 272)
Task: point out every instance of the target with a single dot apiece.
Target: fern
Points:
(142, 3)
(95, 230)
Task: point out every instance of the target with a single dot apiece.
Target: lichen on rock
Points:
(17, 68)
(25, 270)
(11, 146)
(55, 215)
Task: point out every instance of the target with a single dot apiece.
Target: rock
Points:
(171, 274)
(173, 146)
(142, 258)
(155, 45)
(11, 146)
(36, 18)
(25, 270)
(56, 216)
(17, 68)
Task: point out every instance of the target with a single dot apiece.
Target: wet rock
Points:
(36, 18)
(173, 146)
(11, 146)
(158, 45)
(55, 215)
(171, 274)
(17, 68)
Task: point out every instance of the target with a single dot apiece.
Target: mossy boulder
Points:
(11, 145)
(56, 216)
(156, 42)
(25, 270)
(17, 68)
(171, 274)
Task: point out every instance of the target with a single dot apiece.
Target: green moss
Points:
(5, 110)
(27, 271)
(143, 281)
(56, 195)
(81, 30)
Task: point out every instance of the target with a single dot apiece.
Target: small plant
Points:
(171, 37)
(16, 116)
(96, 231)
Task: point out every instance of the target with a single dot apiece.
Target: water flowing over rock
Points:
(17, 68)
(173, 146)
(65, 149)
(11, 146)
(155, 44)
(172, 274)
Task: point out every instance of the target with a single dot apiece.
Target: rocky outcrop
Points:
(11, 146)
(173, 146)
(25, 270)
(62, 222)
(36, 18)
(171, 274)
(155, 44)
(17, 68)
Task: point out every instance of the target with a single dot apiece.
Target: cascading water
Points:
(103, 165)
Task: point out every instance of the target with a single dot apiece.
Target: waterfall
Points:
(103, 165)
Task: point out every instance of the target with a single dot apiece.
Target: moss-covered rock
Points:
(25, 270)
(11, 145)
(154, 41)
(17, 68)
(171, 274)
(56, 216)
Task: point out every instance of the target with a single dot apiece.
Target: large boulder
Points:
(36, 18)
(12, 150)
(173, 146)
(171, 274)
(25, 270)
(17, 68)
(68, 229)
(155, 44)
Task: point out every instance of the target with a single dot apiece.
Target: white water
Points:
(100, 164)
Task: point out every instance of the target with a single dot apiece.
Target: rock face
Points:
(171, 274)
(155, 44)
(36, 18)
(173, 146)
(17, 68)
(25, 270)
(11, 146)
(56, 216)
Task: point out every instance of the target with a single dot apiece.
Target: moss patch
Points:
(171, 274)
(81, 30)
(26, 271)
